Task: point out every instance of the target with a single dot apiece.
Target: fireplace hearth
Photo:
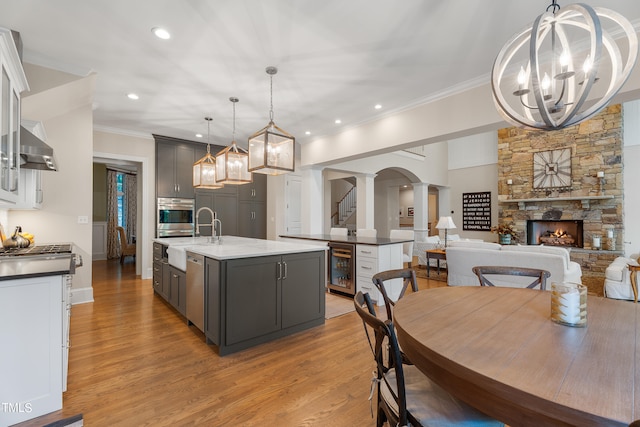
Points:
(566, 233)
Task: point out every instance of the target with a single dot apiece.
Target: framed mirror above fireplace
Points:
(564, 233)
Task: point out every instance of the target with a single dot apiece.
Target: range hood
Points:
(34, 152)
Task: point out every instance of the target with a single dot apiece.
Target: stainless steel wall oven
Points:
(175, 217)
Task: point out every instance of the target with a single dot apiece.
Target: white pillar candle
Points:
(600, 174)
(609, 233)
(509, 181)
(570, 306)
(596, 242)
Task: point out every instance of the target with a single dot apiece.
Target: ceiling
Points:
(336, 59)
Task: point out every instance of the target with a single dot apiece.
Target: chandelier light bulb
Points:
(522, 77)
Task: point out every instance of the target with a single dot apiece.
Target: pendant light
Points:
(204, 170)
(543, 76)
(271, 149)
(231, 162)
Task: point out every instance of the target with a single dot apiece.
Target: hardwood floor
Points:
(134, 362)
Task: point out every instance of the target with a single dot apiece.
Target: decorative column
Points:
(421, 210)
(365, 212)
(312, 200)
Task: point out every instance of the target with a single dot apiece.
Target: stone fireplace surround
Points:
(596, 145)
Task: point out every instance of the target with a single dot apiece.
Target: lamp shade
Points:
(232, 165)
(445, 223)
(232, 162)
(271, 151)
(204, 170)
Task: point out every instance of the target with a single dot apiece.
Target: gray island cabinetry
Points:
(255, 290)
(254, 300)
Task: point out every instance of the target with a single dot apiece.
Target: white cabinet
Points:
(34, 325)
(13, 82)
(374, 259)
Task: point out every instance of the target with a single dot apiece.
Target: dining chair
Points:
(126, 249)
(404, 394)
(407, 248)
(408, 276)
(366, 232)
(635, 423)
(540, 275)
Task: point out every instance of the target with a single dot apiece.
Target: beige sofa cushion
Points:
(474, 245)
(553, 250)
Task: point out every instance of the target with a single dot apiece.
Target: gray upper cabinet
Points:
(254, 191)
(241, 208)
(225, 206)
(174, 164)
(252, 208)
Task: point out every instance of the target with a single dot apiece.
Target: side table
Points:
(436, 254)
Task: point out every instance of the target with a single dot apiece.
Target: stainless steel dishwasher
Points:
(195, 289)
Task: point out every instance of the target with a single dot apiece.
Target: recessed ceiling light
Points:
(161, 33)
(133, 96)
(198, 135)
(338, 121)
(378, 106)
(308, 132)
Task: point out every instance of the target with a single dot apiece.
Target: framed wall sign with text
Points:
(476, 211)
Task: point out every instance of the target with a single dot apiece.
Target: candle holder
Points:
(569, 304)
(596, 242)
(610, 241)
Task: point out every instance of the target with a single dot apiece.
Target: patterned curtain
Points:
(130, 204)
(113, 247)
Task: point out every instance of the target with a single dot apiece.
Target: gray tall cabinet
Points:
(241, 208)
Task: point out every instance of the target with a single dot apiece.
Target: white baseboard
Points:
(81, 295)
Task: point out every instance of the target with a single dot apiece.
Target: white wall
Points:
(66, 114)
(631, 176)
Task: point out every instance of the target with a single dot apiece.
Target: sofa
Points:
(463, 256)
(617, 280)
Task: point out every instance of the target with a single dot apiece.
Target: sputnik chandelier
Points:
(564, 68)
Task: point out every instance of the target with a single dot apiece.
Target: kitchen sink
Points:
(178, 256)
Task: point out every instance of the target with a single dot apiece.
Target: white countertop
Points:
(233, 247)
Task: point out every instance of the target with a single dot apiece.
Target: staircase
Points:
(346, 207)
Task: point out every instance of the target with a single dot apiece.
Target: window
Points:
(120, 192)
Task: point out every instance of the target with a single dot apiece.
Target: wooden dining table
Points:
(497, 349)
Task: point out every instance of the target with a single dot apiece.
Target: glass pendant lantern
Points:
(271, 149)
(232, 161)
(204, 170)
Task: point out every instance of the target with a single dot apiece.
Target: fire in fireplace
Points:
(555, 233)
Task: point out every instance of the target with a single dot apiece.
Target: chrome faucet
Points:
(214, 237)
(213, 215)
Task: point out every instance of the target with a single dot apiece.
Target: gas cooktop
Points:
(59, 248)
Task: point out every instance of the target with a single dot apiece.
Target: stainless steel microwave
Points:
(175, 217)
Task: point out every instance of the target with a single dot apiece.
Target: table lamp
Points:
(446, 223)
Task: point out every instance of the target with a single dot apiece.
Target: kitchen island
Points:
(364, 257)
(253, 290)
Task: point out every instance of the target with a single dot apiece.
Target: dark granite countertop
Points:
(373, 241)
(22, 267)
